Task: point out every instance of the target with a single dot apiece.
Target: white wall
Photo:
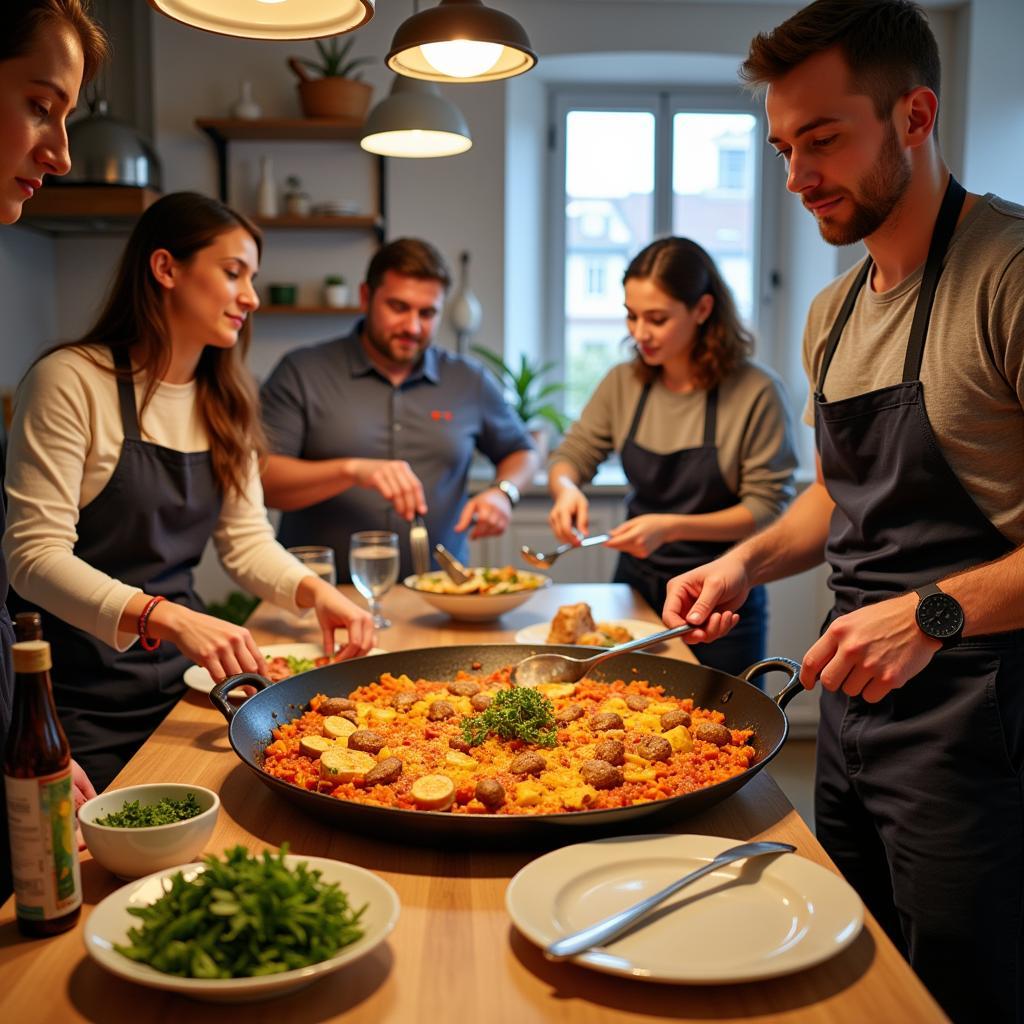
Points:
(28, 299)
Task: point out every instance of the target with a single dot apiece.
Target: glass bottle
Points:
(40, 800)
(28, 626)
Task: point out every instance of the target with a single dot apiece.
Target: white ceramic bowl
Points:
(478, 607)
(134, 852)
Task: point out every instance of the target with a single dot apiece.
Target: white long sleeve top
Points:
(65, 441)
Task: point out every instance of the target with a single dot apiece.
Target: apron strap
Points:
(710, 417)
(126, 393)
(945, 225)
(837, 328)
(639, 411)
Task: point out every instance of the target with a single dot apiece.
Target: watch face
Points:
(940, 616)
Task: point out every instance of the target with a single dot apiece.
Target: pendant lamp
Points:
(461, 41)
(270, 19)
(415, 120)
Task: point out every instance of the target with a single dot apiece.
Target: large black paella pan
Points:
(745, 707)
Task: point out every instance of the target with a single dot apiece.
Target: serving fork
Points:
(419, 546)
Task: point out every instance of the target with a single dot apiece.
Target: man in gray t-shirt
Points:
(371, 429)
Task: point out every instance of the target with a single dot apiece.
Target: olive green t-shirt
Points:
(973, 365)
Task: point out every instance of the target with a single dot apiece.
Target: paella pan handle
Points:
(793, 685)
(219, 694)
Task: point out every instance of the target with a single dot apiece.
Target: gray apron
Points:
(147, 528)
(918, 797)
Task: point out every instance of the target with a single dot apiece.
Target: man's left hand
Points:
(870, 652)
(491, 510)
(640, 536)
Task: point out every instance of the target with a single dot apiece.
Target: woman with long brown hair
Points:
(702, 432)
(130, 449)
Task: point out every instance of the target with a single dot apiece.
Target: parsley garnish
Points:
(165, 812)
(517, 714)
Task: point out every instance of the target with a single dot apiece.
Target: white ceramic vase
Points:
(245, 106)
(266, 195)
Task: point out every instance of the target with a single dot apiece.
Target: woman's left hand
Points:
(334, 610)
(640, 536)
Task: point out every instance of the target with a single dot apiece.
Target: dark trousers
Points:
(743, 646)
(919, 802)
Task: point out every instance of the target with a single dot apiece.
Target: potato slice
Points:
(554, 690)
(314, 746)
(456, 759)
(342, 765)
(337, 727)
(433, 792)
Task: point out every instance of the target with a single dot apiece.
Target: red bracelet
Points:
(149, 643)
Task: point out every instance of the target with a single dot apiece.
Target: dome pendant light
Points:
(415, 120)
(270, 19)
(461, 41)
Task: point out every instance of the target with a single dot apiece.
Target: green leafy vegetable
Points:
(236, 607)
(165, 812)
(297, 665)
(517, 714)
(243, 916)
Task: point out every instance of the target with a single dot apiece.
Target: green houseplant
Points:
(529, 395)
(335, 88)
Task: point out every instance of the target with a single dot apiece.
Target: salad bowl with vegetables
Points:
(487, 594)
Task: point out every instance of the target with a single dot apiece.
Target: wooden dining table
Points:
(455, 954)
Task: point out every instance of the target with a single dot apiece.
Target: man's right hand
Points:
(707, 596)
(394, 481)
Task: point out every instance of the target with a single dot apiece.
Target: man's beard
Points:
(877, 196)
(382, 344)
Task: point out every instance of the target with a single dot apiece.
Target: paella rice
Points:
(399, 742)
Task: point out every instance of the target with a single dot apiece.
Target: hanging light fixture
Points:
(461, 41)
(270, 19)
(415, 120)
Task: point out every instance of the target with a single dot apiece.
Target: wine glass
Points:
(320, 560)
(373, 565)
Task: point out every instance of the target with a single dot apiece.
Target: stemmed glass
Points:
(373, 565)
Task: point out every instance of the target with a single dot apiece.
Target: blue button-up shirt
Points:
(329, 401)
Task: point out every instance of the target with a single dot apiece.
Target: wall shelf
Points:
(308, 311)
(86, 209)
(319, 222)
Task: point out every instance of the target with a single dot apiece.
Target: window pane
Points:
(713, 200)
(609, 211)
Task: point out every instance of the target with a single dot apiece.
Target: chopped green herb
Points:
(165, 812)
(297, 665)
(517, 714)
(243, 916)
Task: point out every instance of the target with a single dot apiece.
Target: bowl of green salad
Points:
(141, 829)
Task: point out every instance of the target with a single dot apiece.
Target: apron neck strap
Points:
(840, 322)
(710, 414)
(639, 411)
(126, 393)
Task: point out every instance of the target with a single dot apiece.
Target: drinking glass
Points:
(373, 565)
(320, 560)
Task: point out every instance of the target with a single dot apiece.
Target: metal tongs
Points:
(456, 571)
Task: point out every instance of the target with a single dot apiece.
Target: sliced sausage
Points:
(481, 701)
(671, 719)
(601, 775)
(404, 701)
(637, 703)
(368, 740)
(458, 743)
(712, 732)
(464, 688)
(385, 772)
(337, 706)
(612, 751)
(605, 720)
(529, 762)
(569, 714)
(490, 792)
(652, 748)
(440, 709)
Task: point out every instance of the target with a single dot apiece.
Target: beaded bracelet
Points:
(149, 643)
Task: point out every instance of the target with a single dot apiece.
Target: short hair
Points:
(410, 257)
(887, 44)
(23, 19)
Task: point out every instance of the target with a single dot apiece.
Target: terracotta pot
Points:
(335, 97)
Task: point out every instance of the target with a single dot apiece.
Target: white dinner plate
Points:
(197, 678)
(538, 632)
(109, 923)
(748, 920)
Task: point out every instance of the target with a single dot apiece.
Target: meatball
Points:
(464, 688)
(637, 703)
(337, 706)
(605, 720)
(440, 709)
(404, 701)
(671, 719)
(601, 774)
(384, 772)
(529, 762)
(612, 751)
(480, 701)
(653, 748)
(458, 743)
(568, 714)
(712, 732)
(490, 792)
(368, 740)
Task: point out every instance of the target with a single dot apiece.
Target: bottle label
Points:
(44, 851)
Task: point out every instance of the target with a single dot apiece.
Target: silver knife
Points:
(457, 572)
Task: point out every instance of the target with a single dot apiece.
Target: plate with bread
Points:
(575, 624)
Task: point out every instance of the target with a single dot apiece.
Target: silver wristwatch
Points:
(509, 489)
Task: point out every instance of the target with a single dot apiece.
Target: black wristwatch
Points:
(509, 489)
(939, 615)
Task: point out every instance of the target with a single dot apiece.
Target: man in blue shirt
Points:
(368, 430)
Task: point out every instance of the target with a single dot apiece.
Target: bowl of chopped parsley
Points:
(141, 829)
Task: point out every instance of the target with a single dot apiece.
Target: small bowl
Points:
(134, 852)
(478, 607)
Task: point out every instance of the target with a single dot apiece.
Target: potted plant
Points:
(335, 291)
(296, 201)
(335, 89)
(528, 394)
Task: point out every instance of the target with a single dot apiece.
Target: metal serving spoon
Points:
(610, 927)
(541, 561)
(560, 668)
